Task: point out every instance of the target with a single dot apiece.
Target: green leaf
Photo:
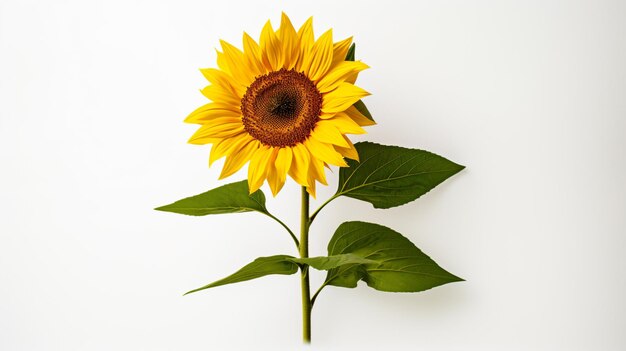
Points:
(229, 198)
(329, 262)
(397, 265)
(389, 176)
(359, 104)
(262, 266)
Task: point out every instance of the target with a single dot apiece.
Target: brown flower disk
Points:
(281, 108)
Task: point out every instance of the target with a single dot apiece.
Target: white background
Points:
(529, 95)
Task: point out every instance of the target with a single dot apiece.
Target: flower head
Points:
(284, 105)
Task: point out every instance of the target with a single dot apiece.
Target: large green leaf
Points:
(396, 265)
(389, 176)
(262, 266)
(359, 104)
(229, 198)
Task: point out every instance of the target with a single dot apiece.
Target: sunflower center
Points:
(281, 108)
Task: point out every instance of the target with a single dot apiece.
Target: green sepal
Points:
(360, 106)
(350, 54)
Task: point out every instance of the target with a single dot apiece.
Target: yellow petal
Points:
(325, 131)
(234, 59)
(218, 137)
(218, 94)
(345, 124)
(272, 175)
(300, 165)
(225, 81)
(207, 133)
(283, 163)
(324, 152)
(257, 170)
(226, 146)
(358, 117)
(289, 40)
(352, 78)
(349, 152)
(343, 97)
(340, 50)
(252, 55)
(327, 115)
(223, 122)
(271, 51)
(339, 74)
(236, 160)
(317, 172)
(221, 61)
(311, 189)
(317, 62)
(305, 40)
(210, 111)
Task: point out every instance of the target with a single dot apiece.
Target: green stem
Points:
(304, 269)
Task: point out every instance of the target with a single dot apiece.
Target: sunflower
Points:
(284, 105)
